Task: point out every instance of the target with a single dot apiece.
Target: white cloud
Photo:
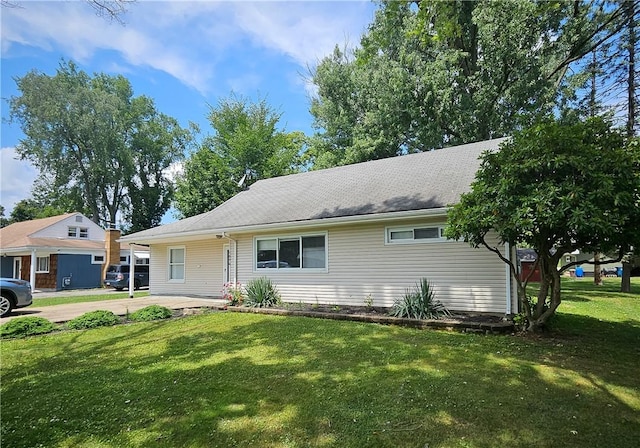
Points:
(305, 31)
(188, 39)
(16, 179)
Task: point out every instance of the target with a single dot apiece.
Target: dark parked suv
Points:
(118, 276)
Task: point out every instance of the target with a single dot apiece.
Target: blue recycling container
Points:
(619, 271)
(579, 272)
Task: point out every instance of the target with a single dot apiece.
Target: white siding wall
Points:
(203, 269)
(359, 265)
(61, 228)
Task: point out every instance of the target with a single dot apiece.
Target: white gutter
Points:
(377, 217)
(507, 250)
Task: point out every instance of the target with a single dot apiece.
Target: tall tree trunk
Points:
(625, 285)
(550, 287)
(597, 274)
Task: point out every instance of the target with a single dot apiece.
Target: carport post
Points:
(32, 270)
(132, 264)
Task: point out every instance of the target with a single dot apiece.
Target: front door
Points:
(17, 267)
(226, 264)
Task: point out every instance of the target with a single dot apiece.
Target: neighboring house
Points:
(61, 252)
(586, 261)
(527, 263)
(339, 236)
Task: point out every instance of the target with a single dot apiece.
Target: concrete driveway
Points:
(66, 312)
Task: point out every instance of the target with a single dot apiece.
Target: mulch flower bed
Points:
(467, 322)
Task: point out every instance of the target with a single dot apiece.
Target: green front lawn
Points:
(49, 301)
(227, 379)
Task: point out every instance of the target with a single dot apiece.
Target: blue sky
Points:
(183, 54)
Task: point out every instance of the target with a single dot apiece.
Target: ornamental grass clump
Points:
(93, 319)
(151, 312)
(26, 326)
(419, 303)
(261, 293)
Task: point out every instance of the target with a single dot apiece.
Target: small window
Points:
(84, 232)
(78, 218)
(124, 259)
(97, 259)
(567, 259)
(176, 264)
(416, 234)
(72, 232)
(42, 264)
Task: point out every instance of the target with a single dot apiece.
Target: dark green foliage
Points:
(151, 312)
(247, 145)
(26, 326)
(419, 303)
(437, 73)
(555, 187)
(261, 293)
(101, 150)
(92, 319)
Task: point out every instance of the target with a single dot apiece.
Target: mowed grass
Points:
(50, 301)
(226, 379)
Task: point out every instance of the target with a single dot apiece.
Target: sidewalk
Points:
(66, 312)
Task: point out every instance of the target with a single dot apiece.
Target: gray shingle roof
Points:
(425, 180)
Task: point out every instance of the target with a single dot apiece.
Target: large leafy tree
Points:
(99, 147)
(432, 73)
(247, 145)
(539, 191)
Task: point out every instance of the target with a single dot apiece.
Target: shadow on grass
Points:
(249, 380)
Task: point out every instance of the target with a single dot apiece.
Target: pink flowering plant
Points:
(233, 293)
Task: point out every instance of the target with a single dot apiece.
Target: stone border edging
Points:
(449, 324)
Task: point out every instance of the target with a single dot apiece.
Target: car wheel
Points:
(6, 305)
(136, 284)
(118, 289)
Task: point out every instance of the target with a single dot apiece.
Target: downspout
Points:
(32, 270)
(507, 249)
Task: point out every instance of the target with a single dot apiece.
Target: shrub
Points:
(232, 292)
(261, 293)
(151, 312)
(420, 303)
(92, 319)
(26, 326)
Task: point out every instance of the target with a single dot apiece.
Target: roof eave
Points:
(286, 226)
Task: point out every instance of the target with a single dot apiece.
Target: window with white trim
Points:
(176, 264)
(291, 252)
(42, 264)
(97, 259)
(78, 232)
(415, 234)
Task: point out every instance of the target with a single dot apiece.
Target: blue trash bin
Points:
(619, 271)
(579, 272)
